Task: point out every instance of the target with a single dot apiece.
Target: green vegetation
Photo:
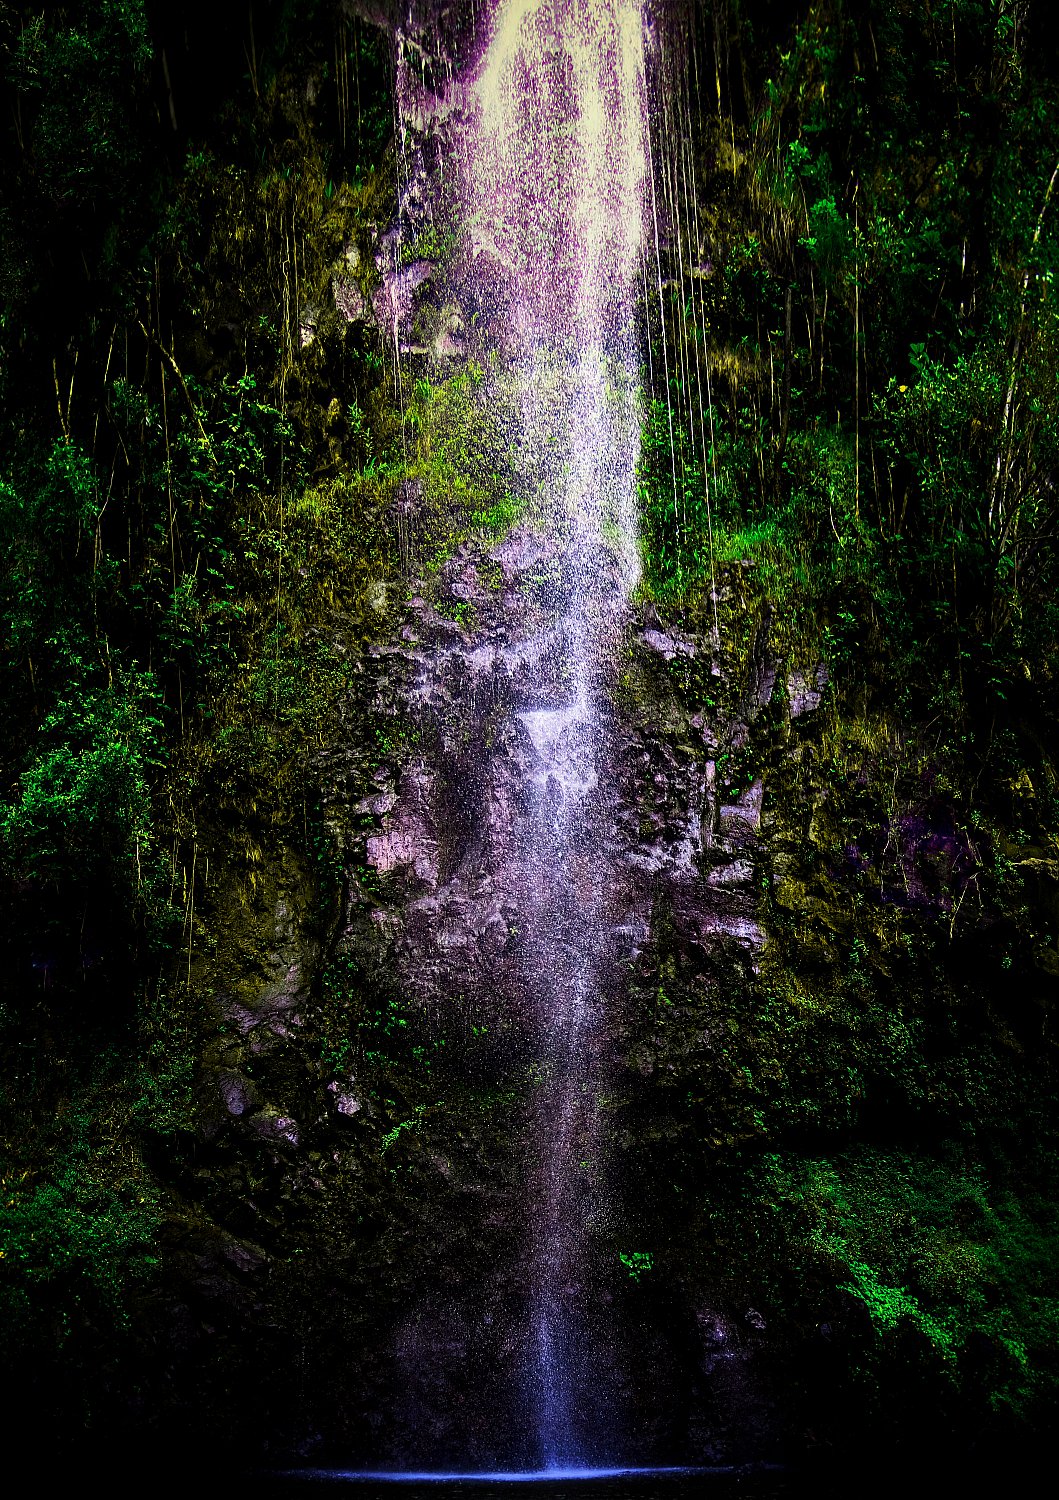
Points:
(860, 330)
(187, 500)
(636, 1262)
(849, 452)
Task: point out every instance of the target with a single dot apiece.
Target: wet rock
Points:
(237, 1094)
(708, 915)
(271, 1124)
(805, 690)
(393, 302)
(669, 646)
(350, 302)
(763, 673)
(345, 1101)
(743, 816)
(307, 325)
(736, 872)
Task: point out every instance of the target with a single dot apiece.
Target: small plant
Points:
(636, 1262)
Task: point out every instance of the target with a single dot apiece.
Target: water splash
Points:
(496, 1476)
(554, 171)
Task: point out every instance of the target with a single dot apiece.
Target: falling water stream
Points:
(555, 171)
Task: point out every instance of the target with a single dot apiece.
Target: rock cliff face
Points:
(772, 884)
(379, 1074)
(663, 842)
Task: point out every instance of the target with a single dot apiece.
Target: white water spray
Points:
(555, 173)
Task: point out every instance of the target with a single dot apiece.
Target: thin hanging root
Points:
(191, 909)
(701, 359)
(58, 401)
(665, 344)
(175, 368)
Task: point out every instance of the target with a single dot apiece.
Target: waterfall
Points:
(554, 172)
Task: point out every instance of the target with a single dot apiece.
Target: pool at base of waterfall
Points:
(762, 1483)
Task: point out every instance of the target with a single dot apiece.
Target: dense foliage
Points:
(157, 181)
(853, 342)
